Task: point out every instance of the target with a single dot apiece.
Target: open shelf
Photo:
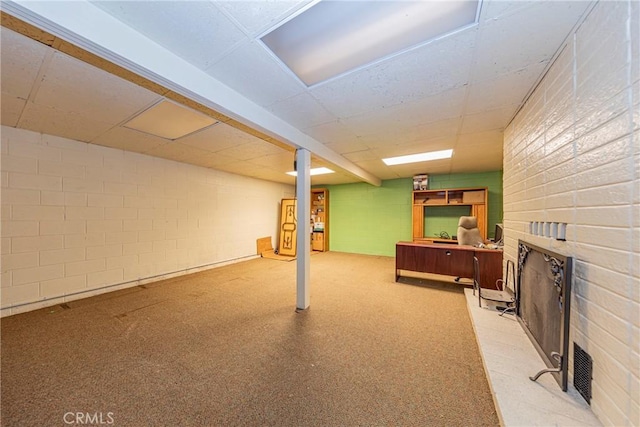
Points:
(474, 198)
(320, 219)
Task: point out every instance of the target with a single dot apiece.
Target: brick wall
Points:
(572, 156)
(78, 218)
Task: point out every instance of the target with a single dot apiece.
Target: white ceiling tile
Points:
(442, 106)
(379, 169)
(478, 158)
(302, 111)
(271, 175)
(415, 148)
(491, 137)
(169, 120)
(258, 16)
(317, 162)
(198, 160)
(241, 168)
(361, 156)
(71, 85)
(405, 116)
(436, 167)
(282, 161)
(219, 137)
(333, 179)
(415, 74)
(440, 65)
(251, 150)
(526, 37)
(442, 129)
(21, 61)
(493, 9)
(344, 147)
(377, 141)
(179, 152)
(478, 149)
(253, 72)
(196, 31)
(67, 124)
(488, 120)
(508, 89)
(446, 128)
(216, 160)
(334, 134)
(129, 139)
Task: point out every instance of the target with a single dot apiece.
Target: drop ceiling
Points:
(458, 92)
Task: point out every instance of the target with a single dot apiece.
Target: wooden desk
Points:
(450, 260)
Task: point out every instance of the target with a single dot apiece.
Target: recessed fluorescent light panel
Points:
(420, 157)
(333, 37)
(314, 171)
(169, 121)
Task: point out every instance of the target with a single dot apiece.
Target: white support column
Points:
(303, 195)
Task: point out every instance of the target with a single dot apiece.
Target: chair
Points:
(503, 295)
(468, 231)
(468, 234)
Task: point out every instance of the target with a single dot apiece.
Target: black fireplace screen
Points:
(542, 305)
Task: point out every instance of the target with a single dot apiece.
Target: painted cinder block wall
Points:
(80, 219)
(572, 155)
(370, 220)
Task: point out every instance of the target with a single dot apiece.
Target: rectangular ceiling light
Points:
(169, 120)
(334, 37)
(314, 171)
(420, 157)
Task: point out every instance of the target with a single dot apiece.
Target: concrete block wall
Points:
(80, 219)
(572, 156)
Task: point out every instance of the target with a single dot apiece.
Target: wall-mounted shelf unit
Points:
(473, 198)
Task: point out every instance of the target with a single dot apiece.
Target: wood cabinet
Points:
(474, 198)
(490, 261)
(320, 219)
(444, 259)
(450, 260)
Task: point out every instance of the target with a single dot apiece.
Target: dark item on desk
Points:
(497, 237)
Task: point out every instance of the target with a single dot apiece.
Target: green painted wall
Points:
(370, 220)
(443, 219)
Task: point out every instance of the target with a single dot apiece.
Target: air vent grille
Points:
(582, 372)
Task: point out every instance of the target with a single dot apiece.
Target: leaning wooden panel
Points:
(288, 225)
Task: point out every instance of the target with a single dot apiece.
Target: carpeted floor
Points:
(226, 348)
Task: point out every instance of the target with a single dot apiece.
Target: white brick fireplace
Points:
(571, 156)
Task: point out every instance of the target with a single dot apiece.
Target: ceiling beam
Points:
(90, 28)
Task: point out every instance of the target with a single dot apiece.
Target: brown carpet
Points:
(226, 348)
